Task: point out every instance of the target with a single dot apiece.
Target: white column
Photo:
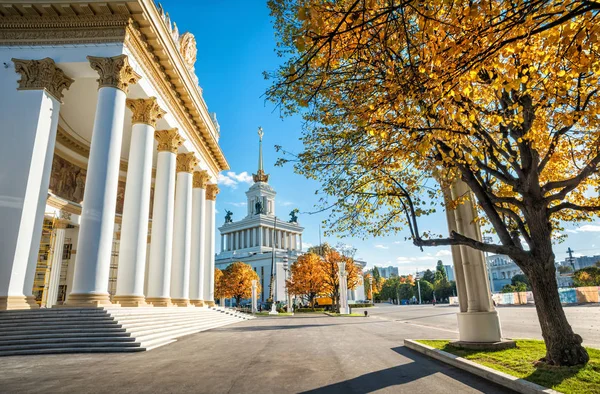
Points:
(222, 242)
(254, 295)
(209, 274)
(300, 246)
(134, 226)
(56, 264)
(478, 321)
(260, 236)
(182, 230)
(161, 241)
(29, 121)
(92, 264)
(199, 238)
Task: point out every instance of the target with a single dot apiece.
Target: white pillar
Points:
(300, 247)
(260, 237)
(92, 264)
(343, 288)
(161, 241)
(254, 296)
(209, 274)
(182, 230)
(199, 238)
(134, 225)
(478, 321)
(56, 264)
(222, 242)
(29, 122)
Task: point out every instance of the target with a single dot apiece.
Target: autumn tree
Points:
(237, 281)
(219, 285)
(330, 271)
(502, 96)
(307, 277)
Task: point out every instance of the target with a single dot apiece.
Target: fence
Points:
(577, 295)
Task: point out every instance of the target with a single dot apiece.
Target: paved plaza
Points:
(316, 354)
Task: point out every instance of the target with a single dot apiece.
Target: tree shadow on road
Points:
(415, 367)
(286, 327)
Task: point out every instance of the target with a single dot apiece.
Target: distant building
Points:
(503, 269)
(358, 294)
(387, 272)
(449, 272)
(581, 262)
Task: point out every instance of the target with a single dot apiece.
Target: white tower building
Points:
(261, 239)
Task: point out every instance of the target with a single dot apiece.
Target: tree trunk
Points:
(563, 346)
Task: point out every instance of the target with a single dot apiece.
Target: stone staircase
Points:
(102, 330)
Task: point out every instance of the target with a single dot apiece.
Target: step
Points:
(143, 332)
(50, 312)
(54, 320)
(174, 332)
(79, 326)
(72, 339)
(165, 325)
(82, 344)
(134, 323)
(69, 329)
(157, 343)
(78, 334)
(67, 349)
(162, 317)
(53, 323)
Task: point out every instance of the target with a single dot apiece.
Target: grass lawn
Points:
(519, 362)
(349, 315)
(280, 314)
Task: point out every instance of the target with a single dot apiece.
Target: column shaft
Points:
(92, 264)
(209, 273)
(161, 240)
(56, 265)
(134, 227)
(197, 262)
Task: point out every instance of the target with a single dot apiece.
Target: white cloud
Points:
(226, 181)
(238, 204)
(571, 231)
(588, 228)
(397, 242)
(286, 203)
(443, 253)
(406, 260)
(306, 246)
(380, 246)
(232, 179)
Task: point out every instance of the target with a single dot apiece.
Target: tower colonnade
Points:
(180, 263)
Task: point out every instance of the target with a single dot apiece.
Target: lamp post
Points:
(489, 240)
(371, 287)
(343, 288)
(288, 274)
(418, 285)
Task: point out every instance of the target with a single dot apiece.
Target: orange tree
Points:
(219, 285)
(330, 269)
(237, 281)
(500, 95)
(307, 278)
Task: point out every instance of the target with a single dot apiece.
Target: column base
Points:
(126, 301)
(87, 300)
(181, 302)
(210, 304)
(10, 303)
(197, 302)
(482, 327)
(159, 301)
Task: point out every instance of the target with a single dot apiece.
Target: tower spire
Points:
(260, 175)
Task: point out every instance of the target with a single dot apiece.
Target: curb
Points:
(501, 378)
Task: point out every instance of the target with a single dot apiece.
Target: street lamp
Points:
(371, 287)
(489, 240)
(288, 274)
(418, 285)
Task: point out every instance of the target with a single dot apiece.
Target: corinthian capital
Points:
(186, 162)
(168, 140)
(145, 111)
(115, 72)
(42, 74)
(201, 179)
(211, 191)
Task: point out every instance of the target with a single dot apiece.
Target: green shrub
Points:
(305, 310)
(360, 305)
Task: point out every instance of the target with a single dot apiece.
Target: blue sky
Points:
(236, 44)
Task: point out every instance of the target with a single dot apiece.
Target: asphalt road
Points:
(309, 354)
(516, 321)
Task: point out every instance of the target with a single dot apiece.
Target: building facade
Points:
(109, 158)
(387, 272)
(261, 239)
(502, 270)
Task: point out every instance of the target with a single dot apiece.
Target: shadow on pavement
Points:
(288, 327)
(417, 367)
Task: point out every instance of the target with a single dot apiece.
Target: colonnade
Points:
(260, 236)
(181, 261)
